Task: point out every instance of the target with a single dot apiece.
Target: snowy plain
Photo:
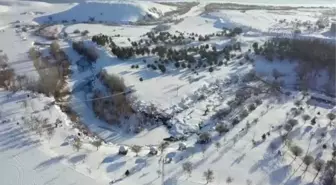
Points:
(33, 160)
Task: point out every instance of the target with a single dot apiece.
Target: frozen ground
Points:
(30, 159)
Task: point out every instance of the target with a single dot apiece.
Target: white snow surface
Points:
(30, 159)
(109, 11)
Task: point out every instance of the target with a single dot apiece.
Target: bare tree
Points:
(217, 145)
(318, 165)
(136, 149)
(54, 47)
(308, 160)
(209, 176)
(162, 147)
(293, 122)
(229, 180)
(331, 117)
(288, 127)
(187, 168)
(221, 129)
(97, 143)
(305, 117)
(296, 150)
(77, 144)
(50, 132)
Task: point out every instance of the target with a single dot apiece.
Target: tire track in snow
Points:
(18, 167)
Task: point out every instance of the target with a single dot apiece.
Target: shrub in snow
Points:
(153, 67)
(258, 102)
(288, 127)
(76, 31)
(331, 116)
(97, 143)
(263, 137)
(229, 180)
(308, 160)
(162, 68)
(209, 176)
(235, 121)
(237, 30)
(77, 144)
(187, 167)
(251, 107)
(222, 113)
(140, 79)
(136, 149)
(211, 69)
(313, 121)
(298, 103)
(24, 29)
(305, 117)
(296, 150)
(123, 150)
(177, 64)
(293, 122)
(221, 129)
(204, 138)
(244, 114)
(85, 33)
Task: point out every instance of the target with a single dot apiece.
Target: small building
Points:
(123, 150)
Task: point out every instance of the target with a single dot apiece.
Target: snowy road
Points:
(24, 163)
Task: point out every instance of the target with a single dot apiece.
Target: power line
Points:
(104, 97)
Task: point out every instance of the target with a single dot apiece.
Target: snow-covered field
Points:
(253, 151)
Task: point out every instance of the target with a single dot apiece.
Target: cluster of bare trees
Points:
(53, 72)
(7, 76)
(90, 53)
(314, 56)
(41, 126)
(116, 105)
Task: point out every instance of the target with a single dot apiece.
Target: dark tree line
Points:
(102, 39)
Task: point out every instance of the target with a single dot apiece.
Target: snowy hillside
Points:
(167, 93)
(109, 12)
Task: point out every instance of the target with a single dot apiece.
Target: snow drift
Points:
(109, 11)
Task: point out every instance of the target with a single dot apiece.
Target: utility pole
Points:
(162, 172)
